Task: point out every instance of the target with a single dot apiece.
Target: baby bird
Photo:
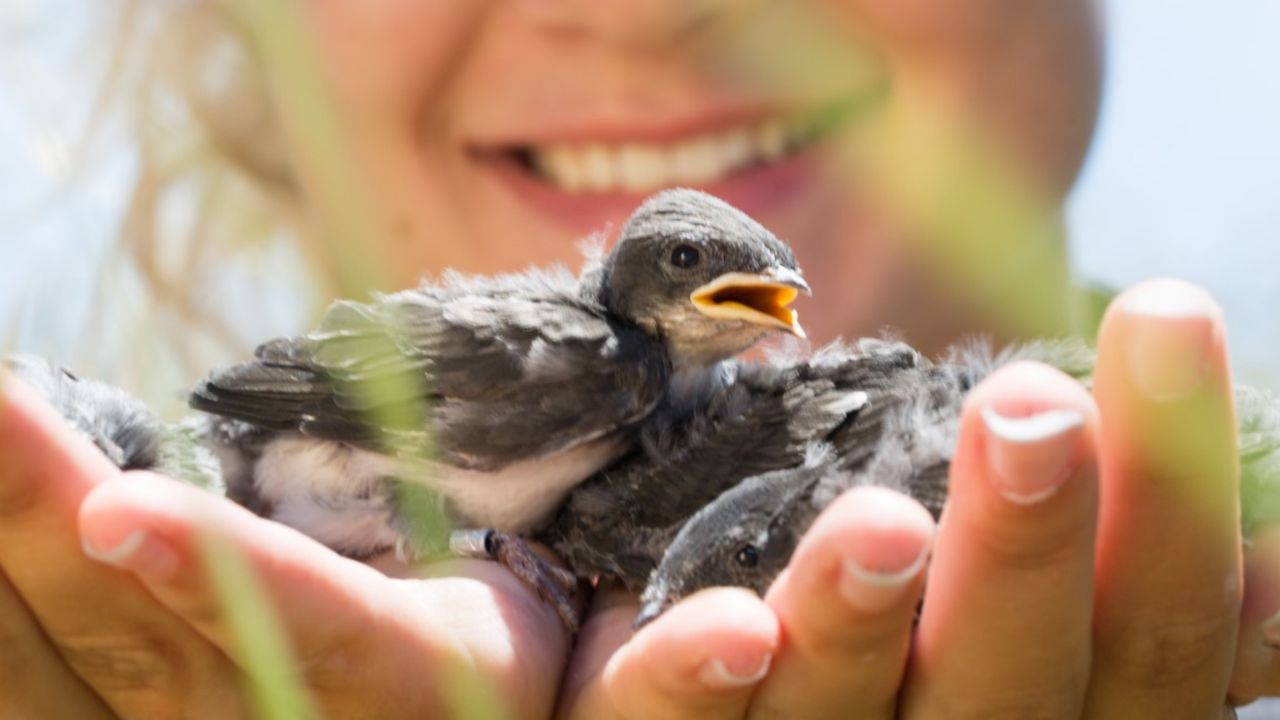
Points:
(746, 536)
(764, 417)
(761, 417)
(123, 428)
(482, 401)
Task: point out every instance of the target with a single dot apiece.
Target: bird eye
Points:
(685, 256)
(748, 556)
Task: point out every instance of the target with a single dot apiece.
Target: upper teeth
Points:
(639, 167)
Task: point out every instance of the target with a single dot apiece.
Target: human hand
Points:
(147, 637)
(1159, 638)
(830, 636)
(1020, 620)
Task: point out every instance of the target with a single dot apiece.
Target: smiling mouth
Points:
(757, 299)
(582, 168)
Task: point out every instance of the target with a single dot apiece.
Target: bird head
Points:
(703, 276)
(743, 538)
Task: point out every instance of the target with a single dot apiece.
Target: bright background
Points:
(1184, 178)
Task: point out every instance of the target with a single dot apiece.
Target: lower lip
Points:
(755, 190)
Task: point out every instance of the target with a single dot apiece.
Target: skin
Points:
(154, 608)
(449, 80)
(418, 84)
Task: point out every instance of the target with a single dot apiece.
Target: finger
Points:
(139, 658)
(1257, 667)
(701, 659)
(1169, 536)
(34, 682)
(1005, 627)
(846, 605)
(366, 644)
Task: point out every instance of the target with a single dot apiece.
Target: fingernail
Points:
(1030, 457)
(139, 552)
(879, 589)
(1167, 348)
(739, 672)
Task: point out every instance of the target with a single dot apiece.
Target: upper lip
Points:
(608, 128)
(760, 298)
(618, 127)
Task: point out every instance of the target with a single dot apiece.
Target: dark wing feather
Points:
(620, 521)
(492, 371)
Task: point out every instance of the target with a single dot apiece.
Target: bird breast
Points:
(340, 496)
(521, 496)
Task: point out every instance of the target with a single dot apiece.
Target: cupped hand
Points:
(830, 637)
(1029, 611)
(1087, 564)
(135, 628)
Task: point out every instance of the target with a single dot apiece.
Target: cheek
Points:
(385, 67)
(388, 56)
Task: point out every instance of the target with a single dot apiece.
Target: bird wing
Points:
(491, 371)
(620, 521)
(929, 486)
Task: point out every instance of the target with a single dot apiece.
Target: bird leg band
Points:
(555, 585)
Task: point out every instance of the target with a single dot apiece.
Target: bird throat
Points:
(692, 385)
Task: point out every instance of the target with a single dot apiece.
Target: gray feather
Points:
(130, 436)
(500, 369)
(496, 393)
(619, 523)
(908, 448)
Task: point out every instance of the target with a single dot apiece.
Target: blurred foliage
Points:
(278, 35)
(275, 690)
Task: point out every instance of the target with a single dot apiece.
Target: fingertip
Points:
(847, 600)
(135, 522)
(869, 545)
(1026, 387)
(1163, 382)
(22, 408)
(134, 499)
(1165, 297)
(1028, 436)
(716, 643)
(1160, 340)
(726, 622)
(882, 529)
(43, 457)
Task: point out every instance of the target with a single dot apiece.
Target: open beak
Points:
(762, 299)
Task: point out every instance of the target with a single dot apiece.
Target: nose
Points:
(630, 22)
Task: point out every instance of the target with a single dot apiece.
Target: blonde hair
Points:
(213, 202)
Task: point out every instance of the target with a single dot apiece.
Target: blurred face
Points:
(496, 135)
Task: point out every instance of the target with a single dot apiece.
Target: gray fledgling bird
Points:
(764, 417)
(746, 536)
(123, 428)
(496, 394)
(760, 417)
